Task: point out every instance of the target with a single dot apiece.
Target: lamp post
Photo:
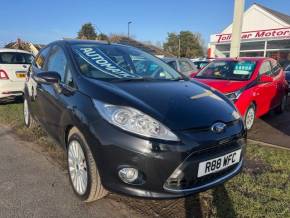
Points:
(129, 28)
(237, 28)
(179, 46)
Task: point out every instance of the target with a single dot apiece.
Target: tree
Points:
(87, 32)
(191, 44)
(103, 36)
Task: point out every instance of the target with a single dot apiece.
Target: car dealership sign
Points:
(254, 35)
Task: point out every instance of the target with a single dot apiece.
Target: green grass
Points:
(12, 115)
(262, 190)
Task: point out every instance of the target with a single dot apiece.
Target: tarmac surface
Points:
(33, 185)
(273, 129)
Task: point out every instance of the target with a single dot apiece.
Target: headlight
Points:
(233, 96)
(134, 121)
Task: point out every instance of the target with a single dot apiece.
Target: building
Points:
(265, 33)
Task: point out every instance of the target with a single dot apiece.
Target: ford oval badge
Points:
(218, 127)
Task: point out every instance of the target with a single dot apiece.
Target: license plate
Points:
(20, 74)
(220, 163)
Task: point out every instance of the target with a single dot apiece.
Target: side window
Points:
(40, 59)
(57, 62)
(265, 68)
(276, 68)
(185, 66)
(68, 79)
(172, 64)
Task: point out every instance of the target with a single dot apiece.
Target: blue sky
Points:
(45, 21)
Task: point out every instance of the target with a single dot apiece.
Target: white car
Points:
(14, 65)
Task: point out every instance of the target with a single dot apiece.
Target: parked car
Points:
(287, 72)
(255, 85)
(148, 133)
(183, 65)
(14, 65)
(201, 64)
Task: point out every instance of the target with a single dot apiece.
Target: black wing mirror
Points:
(48, 78)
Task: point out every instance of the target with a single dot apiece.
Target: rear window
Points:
(228, 70)
(15, 58)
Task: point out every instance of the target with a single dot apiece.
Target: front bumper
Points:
(157, 160)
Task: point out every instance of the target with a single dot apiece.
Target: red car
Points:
(255, 85)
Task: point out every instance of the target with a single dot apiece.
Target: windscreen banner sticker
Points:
(244, 68)
(102, 62)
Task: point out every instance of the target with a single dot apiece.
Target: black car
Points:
(130, 123)
(287, 73)
(182, 65)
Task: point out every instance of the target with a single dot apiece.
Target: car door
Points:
(279, 79)
(49, 95)
(265, 93)
(38, 66)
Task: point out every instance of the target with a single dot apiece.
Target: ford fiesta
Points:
(130, 123)
(255, 85)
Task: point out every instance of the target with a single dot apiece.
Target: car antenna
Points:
(101, 32)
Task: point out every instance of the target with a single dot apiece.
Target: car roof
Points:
(174, 59)
(78, 41)
(243, 59)
(14, 50)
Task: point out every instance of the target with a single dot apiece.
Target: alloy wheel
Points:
(26, 112)
(77, 167)
(250, 118)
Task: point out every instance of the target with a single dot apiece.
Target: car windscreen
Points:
(228, 70)
(15, 58)
(118, 62)
(200, 64)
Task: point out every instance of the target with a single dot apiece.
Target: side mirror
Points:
(266, 79)
(48, 78)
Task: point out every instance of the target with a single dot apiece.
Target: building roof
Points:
(279, 15)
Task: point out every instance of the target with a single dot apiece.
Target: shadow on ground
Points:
(273, 128)
(215, 203)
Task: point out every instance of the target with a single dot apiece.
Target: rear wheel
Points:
(250, 116)
(82, 168)
(282, 107)
(28, 120)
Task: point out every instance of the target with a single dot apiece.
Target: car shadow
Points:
(18, 100)
(223, 203)
(220, 199)
(273, 128)
(193, 207)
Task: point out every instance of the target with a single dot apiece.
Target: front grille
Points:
(188, 179)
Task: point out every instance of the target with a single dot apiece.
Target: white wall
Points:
(255, 18)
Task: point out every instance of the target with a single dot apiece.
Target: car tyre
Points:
(29, 122)
(282, 107)
(250, 116)
(82, 168)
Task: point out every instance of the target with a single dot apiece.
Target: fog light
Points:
(128, 174)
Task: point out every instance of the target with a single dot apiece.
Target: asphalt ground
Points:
(273, 128)
(34, 185)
